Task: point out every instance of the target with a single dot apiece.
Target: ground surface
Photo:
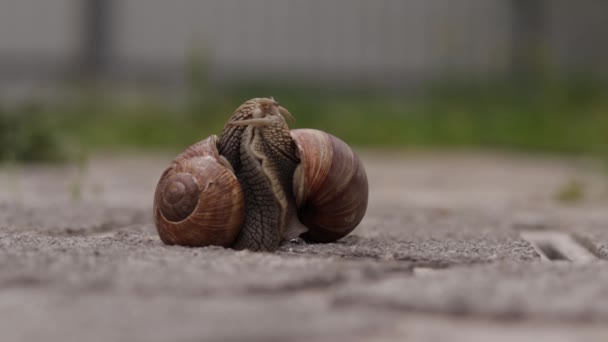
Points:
(459, 247)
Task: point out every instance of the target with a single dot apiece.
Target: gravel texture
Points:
(438, 257)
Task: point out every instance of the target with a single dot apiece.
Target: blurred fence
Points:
(381, 41)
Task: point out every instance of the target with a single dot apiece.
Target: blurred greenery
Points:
(571, 192)
(534, 116)
(27, 134)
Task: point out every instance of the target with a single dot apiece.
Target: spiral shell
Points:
(330, 186)
(198, 200)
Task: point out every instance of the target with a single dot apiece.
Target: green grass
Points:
(556, 117)
(28, 135)
(571, 192)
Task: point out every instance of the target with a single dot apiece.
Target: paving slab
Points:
(69, 219)
(559, 291)
(36, 315)
(429, 250)
(587, 224)
(440, 255)
(434, 328)
(139, 262)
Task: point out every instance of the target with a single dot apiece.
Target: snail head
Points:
(265, 113)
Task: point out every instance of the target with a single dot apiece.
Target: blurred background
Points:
(81, 76)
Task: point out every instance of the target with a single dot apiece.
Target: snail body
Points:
(261, 184)
(257, 141)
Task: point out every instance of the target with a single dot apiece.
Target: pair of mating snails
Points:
(260, 184)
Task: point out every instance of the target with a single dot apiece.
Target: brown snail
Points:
(330, 186)
(198, 200)
(261, 184)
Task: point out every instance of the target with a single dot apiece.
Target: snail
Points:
(198, 199)
(260, 184)
(330, 186)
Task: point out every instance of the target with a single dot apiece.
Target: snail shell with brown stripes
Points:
(261, 184)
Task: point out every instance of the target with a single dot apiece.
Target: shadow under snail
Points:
(261, 184)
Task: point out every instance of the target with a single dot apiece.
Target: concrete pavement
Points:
(444, 253)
